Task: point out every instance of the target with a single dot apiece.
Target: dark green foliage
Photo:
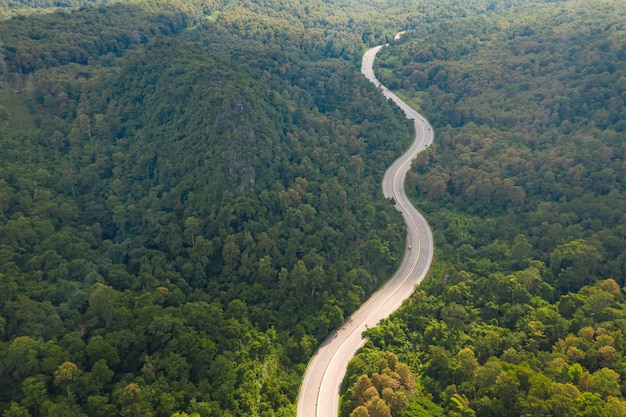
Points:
(60, 38)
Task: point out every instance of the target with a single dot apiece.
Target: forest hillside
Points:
(524, 312)
(184, 214)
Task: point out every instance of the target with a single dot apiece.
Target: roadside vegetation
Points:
(524, 189)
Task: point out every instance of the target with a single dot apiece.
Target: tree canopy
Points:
(184, 214)
(522, 187)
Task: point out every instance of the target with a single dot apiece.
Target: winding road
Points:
(319, 392)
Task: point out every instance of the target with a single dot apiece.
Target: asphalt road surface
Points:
(319, 392)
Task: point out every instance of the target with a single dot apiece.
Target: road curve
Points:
(319, 392)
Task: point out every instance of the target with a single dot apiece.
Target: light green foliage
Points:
(383, 390)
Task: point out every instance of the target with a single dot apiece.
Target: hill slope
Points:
(525, 194)
(183, 218)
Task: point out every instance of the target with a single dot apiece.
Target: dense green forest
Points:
(190, 202)
(185, 214)
(524, 311)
